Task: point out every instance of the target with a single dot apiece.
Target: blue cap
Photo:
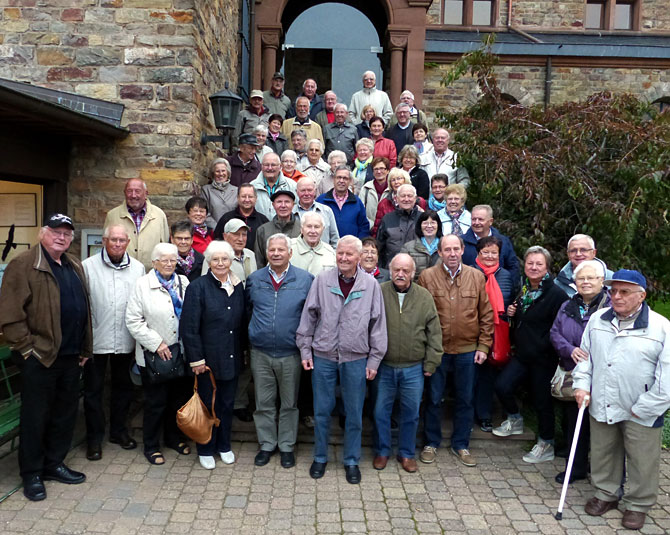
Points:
(628, 275)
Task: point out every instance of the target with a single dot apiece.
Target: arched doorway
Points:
(400, 24)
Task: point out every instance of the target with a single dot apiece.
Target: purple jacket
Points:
(566, 332)
(343, 330)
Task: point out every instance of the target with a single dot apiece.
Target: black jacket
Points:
(400, 136)
(254, 221)
(420, 181)
(197, 267)
(279, 145)
(396, 229)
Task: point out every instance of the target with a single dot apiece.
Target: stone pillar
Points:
(397, 39)
(270, 39)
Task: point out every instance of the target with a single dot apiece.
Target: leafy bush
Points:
(599, 167)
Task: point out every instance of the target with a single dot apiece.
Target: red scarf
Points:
(493, 290)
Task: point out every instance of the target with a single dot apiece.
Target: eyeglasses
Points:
(167, 261)
(579, 251)
(379, 168)
(587, 279)
(490, 253)
(61, 233)
(623, 292)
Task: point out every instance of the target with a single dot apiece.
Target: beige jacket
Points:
(312, 259)
(154, 229)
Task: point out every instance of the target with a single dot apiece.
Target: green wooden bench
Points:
(10, 399)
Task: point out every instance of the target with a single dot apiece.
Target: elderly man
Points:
(246, 211)
(45, 318)
(398, 227)
(301, 120)
(316, 103)
(275, 99)
(414, 350)
(270, 181)
(285, 221)
(342, 333)
(372, 96)
(481, 225)
(401, 131)
(466, 318)
(310, 252)
(347, 208)
(443, 160)
(145, 223)
(327, 114)
(416, 115)
(111, 276)
(276, 295)
(626, 351)
(580, 247)
(244, 165)
(190, 262)
(340, 135)
(306, 190)
(299, 142)
(253, 115)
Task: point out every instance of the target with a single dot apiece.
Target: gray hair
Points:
(351, 240)
(217, 161)
(270, 155)
(260, 129)
(370, 72)
(219, 247)
(403, 105)
(538, 249)
(289, 153)
(299, 132)
(340, 105)
(164, 249)
(278, 236)
(336, 154)
(486, 207)
(302, 97)
(594, 264)
(407, 186)
(408, 93)
(404, 255)
(409, 151)
(367, 142)
(315, 141)
(343, 168)
(586, 237)
(311, 215)
(107, 230)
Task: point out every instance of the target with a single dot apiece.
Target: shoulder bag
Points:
(194, 419)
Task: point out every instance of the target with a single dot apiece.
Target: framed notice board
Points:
(19, 209)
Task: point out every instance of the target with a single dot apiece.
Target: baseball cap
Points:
(59, 220)
(628, 275)
(234, 225)
(256, 93)
(248, 139)
(282, 192)
(278, 75)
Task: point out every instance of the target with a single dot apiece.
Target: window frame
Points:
(608, 17)
(468, 11)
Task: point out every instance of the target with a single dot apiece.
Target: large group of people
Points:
(326, 283)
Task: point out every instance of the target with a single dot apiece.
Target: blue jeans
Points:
(352, 383)
(462, 365)
(408, 384)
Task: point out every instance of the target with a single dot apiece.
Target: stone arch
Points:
(401, 25)
(657, 91)
(518, 92)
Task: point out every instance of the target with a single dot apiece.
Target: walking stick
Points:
(573, 448)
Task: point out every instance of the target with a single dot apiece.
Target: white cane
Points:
(573, 448)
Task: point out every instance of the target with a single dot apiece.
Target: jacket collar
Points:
(125, 261)
(329, 196)
(641, 322)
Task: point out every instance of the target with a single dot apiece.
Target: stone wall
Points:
(526, 84)
(160, 58)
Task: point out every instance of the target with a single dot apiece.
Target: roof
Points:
(553, 44)
(48, 111)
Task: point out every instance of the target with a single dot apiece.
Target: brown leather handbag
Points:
(194, 419)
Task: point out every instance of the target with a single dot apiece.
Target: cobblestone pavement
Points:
(123, 494)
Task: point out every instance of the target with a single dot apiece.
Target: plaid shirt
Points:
(138, 217)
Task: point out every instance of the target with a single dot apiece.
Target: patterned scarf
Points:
(528, 295)
(221, 186)
(186, 263)
(434, 204)
(201, 230)
(362, 167)
(455, 225)
(430, 247)
(174, 289)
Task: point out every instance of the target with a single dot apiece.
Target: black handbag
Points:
(159, 370)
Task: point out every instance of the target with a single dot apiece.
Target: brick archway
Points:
(401, 25)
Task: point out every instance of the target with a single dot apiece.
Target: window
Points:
(469, 12)
(612, 15)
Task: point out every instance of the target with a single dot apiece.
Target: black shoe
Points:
(63, 474)
(560, 477)
(263, 457)
(353, 474)
(244, 415)
(94, 452)
(124, 441)
(486, 425)
(317, 470)
(33, 488)
(287, 459)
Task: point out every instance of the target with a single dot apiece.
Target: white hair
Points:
(219, 247)
(407, 186)
(408, 93)
(108, 230)
(289, 153)
(336, 154)
(311, 215)
(260, 129)
(586, 237)
(279, 236)
(315, 141)
(340, 105)
(402, 105)
(163, 249)
(403, 255)
(305, 180)
(593, 264)
(351, 240)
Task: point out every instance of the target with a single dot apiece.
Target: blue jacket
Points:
(508, 258)
(275, 315)
(351, 220)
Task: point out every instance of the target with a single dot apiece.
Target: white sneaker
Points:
(207, 462)
(541, 452)
(509, 427)
(228, 457)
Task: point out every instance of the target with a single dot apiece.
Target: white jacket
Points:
(330, 233)
(432, 164)
(374, 97)
(464, 221)
(628, 371)
(150, 316)
(110, 287)
(316, 259)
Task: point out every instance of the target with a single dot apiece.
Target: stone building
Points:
(118, 88)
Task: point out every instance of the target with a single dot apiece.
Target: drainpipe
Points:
(547, 83)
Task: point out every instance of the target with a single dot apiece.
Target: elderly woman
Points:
(424, 249)
(362, 168)
(299, 142)
(275, 139)
(420, 134)
(313, 165)
(372, 190)
(532, 315)
(152, 318)
(370, 261)
(384, 148)
(189, 261)
(500, 288)
(454, 216)
(438, 186)
(213, 327)
(363, 128)
(261, 133)
(289, 160)
(336, 158)
(196, 210)
(566, 336)
(409, 161)
(388, 202)
(309, 252)
(220, 194)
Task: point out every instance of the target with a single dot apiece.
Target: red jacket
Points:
(386, 148)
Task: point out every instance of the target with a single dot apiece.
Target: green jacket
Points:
(414, 333)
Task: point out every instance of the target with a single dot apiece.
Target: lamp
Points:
(225, 107)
